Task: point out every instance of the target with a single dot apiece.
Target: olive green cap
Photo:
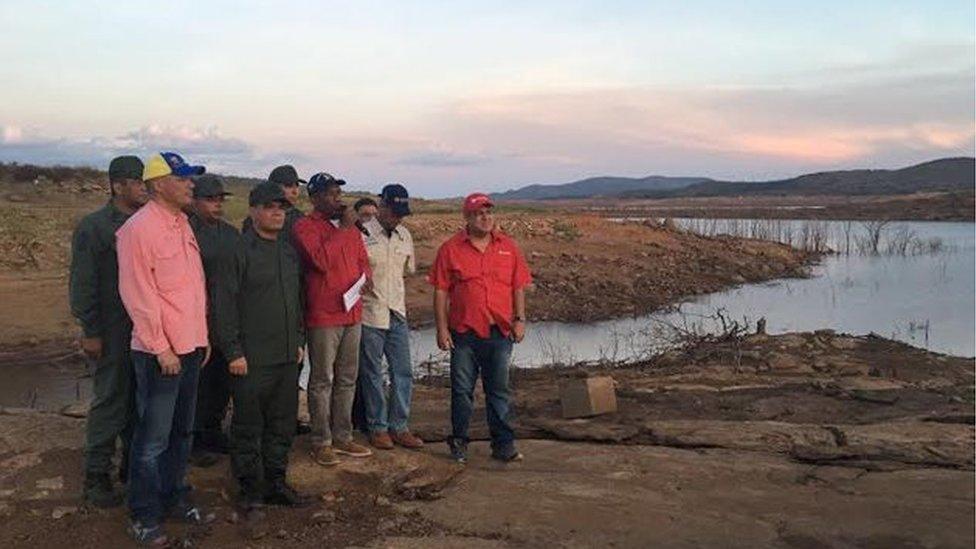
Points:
(125, 167)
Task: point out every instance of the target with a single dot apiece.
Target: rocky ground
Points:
(797, 441)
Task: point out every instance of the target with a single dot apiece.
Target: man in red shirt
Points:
(480, 277)
(334, 258)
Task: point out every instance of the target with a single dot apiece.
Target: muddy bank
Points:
(797, 440)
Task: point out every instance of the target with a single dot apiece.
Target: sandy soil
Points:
(792, 441)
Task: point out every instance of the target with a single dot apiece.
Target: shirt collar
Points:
(171, 219)
(494, 235)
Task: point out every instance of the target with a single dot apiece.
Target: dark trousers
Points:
(490, 357)
(112, 411)
(213, 396)
(263, 424)
(163, 433)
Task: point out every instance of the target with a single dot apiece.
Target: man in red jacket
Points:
(335, 261)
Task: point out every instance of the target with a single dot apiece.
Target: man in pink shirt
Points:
(161, 282)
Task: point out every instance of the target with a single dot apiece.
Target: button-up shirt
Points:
(258, 302)
(480, 284)
(161, 281)
(333, 258)
(390, 256)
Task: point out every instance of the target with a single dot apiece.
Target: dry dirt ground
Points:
(810, 440)
(586, 268)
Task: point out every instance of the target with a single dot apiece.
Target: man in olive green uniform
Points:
(93, 289)
(287, 177)
(290, 183)
(260, 331)
(218, 241)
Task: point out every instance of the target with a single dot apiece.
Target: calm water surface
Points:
(926, 300)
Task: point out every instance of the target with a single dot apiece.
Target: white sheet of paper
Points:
(354, 292)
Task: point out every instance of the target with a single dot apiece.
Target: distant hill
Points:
(600, 186)
(947, 174)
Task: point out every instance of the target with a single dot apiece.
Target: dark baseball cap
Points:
(321, 181)
(285, 176)
(125, 167)
(396, 198)
(208, 185)
(265, 193)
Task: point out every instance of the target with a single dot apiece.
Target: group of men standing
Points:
(182, 314)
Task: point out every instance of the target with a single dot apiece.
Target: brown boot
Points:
(381, 441)
(407, 440)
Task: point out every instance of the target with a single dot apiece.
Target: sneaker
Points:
(459, 450)
(191, 514)
(325, 455)
(148, 534)
(351, 449)
(407, 440)
(381, 440)
(281, 493)
(100, 493)
(506, 454)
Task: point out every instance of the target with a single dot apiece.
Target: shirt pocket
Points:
(502, 267)
(169, 268)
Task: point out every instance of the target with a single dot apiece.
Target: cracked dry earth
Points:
(793, 441)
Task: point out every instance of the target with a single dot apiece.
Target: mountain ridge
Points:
(943, 174)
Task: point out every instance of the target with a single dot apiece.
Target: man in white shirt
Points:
(385, 331)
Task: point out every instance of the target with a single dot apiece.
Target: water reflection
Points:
(926, 300)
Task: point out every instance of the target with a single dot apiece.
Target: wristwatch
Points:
(518, 319)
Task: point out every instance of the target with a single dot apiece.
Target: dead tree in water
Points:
(872, 239)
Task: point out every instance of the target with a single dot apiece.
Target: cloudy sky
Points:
(448, 97)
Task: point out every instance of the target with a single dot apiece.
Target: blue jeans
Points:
(490, 356)
(384, 414)
(163, 433)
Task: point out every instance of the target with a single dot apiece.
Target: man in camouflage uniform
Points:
(93, 289)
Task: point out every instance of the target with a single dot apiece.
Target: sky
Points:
(452, 97)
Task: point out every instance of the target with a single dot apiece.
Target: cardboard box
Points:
(585, 397)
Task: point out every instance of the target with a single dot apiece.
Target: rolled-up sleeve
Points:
(137, 287)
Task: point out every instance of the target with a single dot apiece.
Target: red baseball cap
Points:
(476, 201)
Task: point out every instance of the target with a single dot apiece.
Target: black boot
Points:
(280, 493)
(98, 491)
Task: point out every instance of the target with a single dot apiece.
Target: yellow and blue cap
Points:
(168, 163)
